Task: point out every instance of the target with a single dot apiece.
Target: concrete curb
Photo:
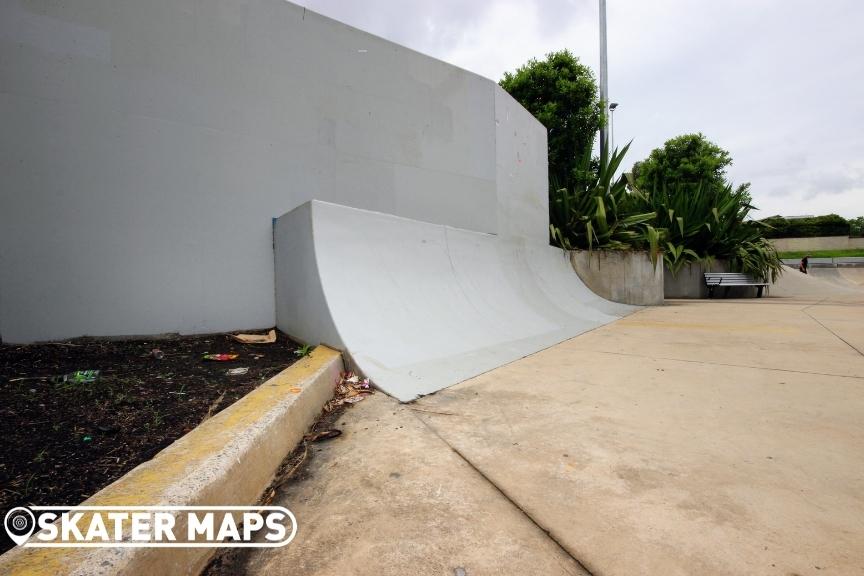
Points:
(228, 460)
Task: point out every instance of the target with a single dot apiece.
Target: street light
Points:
(612, 108)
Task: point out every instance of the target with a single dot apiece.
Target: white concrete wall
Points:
(521, 171)
(817, 243)
(147, 145)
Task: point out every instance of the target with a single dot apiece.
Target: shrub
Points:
(830, 225)
(705, 221)
(700, 215)
(602, 214)
(685, 159)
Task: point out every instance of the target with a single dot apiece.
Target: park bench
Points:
(729, 279)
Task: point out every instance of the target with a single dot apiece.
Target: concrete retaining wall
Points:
(817, 243)
(627, 277)
(690, 280)
(147, 146)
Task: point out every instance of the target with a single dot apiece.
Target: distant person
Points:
(805, 263)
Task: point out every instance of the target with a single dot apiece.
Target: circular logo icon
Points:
(19, 523)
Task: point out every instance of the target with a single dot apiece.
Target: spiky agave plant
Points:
(707, 221)
(758, 258)
(602, 214)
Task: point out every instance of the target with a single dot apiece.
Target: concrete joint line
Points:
(589, 571)
(723, 363)
(832, 332)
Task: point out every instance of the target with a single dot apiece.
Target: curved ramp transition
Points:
(847, 277)
(816, 286)
(419, 306)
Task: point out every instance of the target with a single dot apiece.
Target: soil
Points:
(63, 441)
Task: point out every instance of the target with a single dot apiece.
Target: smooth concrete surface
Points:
(420, 306)
(390, 498)
(817, 287)
(710, 438)
(147, 146)
(817, 243)
(625, 276)
(228, 460)
(847, 277)
(521, 173)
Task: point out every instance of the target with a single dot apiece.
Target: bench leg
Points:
(710, 291)
(726, 292)
(759, 291)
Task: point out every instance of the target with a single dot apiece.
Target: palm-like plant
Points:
(706, 221)
(602, 214)
(676, 256)
(694, 222)
(757, 258)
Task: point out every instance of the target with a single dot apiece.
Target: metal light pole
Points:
(612, 108)
(604, 79)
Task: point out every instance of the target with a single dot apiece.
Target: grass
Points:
(824, 253)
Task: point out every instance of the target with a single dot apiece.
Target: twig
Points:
(433, 411)
(287, 475)
(214, 405)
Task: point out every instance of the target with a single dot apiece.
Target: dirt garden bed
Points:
(62, 441)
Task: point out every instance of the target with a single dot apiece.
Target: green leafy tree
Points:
(561, 93)
(686, 159)
(856, 226)
(700, 214)
(828, 225)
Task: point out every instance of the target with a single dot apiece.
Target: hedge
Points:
(830, 225)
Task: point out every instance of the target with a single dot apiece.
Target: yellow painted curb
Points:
(228, 460)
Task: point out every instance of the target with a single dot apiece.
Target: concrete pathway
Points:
(703, 437)
(389, 497)
(696, 438)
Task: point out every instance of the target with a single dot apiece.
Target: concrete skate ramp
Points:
(420, 306)
(847, 277)
(794, 284)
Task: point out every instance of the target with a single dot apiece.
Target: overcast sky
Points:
(778, 83)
